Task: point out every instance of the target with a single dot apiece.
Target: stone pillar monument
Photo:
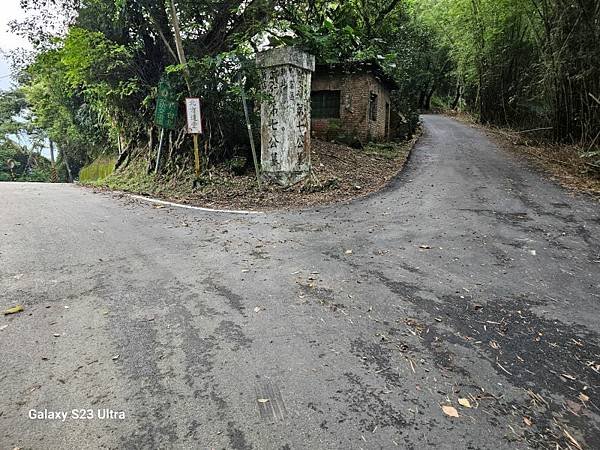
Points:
(285, 116)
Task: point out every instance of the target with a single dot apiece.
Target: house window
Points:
(325, 104)
(373, 106)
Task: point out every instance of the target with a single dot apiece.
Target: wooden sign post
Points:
(194, 127)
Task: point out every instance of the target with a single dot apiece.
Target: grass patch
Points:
(135, 179)
(101, 168)
(132, 179)
(388, 150)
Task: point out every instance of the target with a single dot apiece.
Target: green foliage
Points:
(521, 63)
(388, 150)
(132, 179)
(39, 175)
(92, 89)
(71, 123)
(101, 168)
(383, 32)
(12, 105)
(27, 166)
(216, 82)
(237, 165)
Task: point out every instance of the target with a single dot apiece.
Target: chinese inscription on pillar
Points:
(285, 115)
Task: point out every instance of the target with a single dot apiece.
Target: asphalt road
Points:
(471, 277)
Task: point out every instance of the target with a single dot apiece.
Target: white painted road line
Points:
(197, 208)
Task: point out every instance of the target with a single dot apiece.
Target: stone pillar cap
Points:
(286, 56)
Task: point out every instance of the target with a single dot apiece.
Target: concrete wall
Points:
(354, 123)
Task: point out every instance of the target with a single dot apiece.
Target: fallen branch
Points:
(535, 129)
(500, 365)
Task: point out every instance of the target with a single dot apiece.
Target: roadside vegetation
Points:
(530, 70)
(334, 178)
(90, 85)
(20, 162)
(101, 168)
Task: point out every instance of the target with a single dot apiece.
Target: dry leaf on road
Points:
(14, 310)
(450, 411)
(464, 402)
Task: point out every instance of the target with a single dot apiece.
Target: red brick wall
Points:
(354, 123)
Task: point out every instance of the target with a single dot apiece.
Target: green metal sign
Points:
(167, 107)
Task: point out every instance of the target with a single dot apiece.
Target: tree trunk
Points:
(428, 98)
(52, 152)
(456, 97)
(122, 158)
(179, 46)
(422, 96)
(66, 160)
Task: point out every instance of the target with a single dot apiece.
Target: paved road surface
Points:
(227, 331)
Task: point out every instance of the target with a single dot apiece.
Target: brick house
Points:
(351, 103)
